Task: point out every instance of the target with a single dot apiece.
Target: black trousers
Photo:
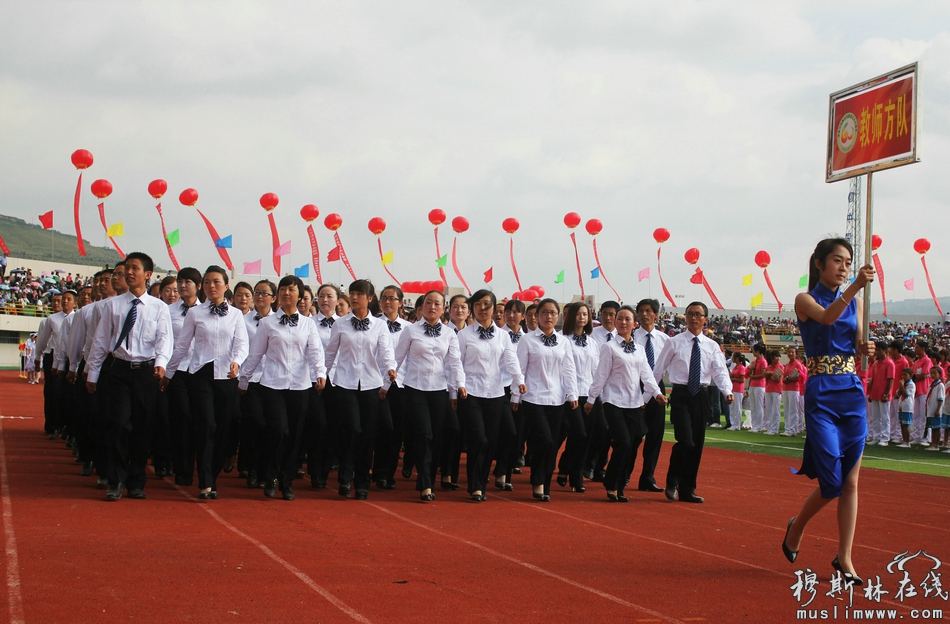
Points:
(322, 453)
(212, 407)
(715, 413)
(159, 436)
(285, 415)
(428, 413)
(542, 424)
(52, 393)
(358, 411)
(451, 456)
(83, 419)
(389, 441)
(625, 425)
(67, 404)
(315, 429)
(131, 398)
(574, 429)
(252, 429)
(481, 420)
(514, 442)
(595, 457)
(654, 415)
(181, 428)
(688, 413)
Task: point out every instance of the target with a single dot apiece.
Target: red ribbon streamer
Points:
(79, 244)
(514, 269)
(171, 254)
(315, 252)
(769, 282)
(3, 246)
(880, 275)
(597, 258)
(577, 258)
(455, 265)
(276, 241)
(346, 261)
(215, 238)
(666, 291)
(102, 217)
(712, 295)
(438, 254)
(923, 261)
(379, 242)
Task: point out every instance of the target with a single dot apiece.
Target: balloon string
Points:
(577, 259)
(771, 288)
(923, 261)
(514, 269)
(880, 277)
(346, 261)
(438, 255)
(79, 244)
(171, 254)
(379, 241)
(214, 239)
(102, 217)
(666, 291)
(601, 269)
(712, 295)
(275, 239)
(455, 265)
(315, 252)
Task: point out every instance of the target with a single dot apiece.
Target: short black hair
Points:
(653, 303)
(190, 273)
(699, 303)
(145, 259)
(610, 305)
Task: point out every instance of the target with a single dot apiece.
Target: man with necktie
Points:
(133, 344)
(693, 362)
(653, 342)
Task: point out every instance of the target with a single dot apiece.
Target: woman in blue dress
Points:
(829, 318)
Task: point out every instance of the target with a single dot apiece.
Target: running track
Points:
(71, 556)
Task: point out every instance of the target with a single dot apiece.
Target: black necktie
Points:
(432, 330)
(650, 354)
(290, 319)
(486, 334)
(221, 309)
(609, 336)
(185, 307)
(258, 317)
(394, 326)
(327, 321)
(695, 368)
(360, 324)
(580, 339)
(629, 346)
(515, 337)
(549, 341)
(128, 325)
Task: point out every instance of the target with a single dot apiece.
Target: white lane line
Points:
(530, 566)
(14, 597)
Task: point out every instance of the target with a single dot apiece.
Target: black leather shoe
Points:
(598, 476)
(251, 479)
(448, 485)
(672, 492)
(425, 498)
(159, 473)
(86, 469)
(213, 495)
(102, 482)
(344, 491)
(407, 473)
(848, 577)
(137, 494)
(790, 554)
(562, 480)
(361, 494)
(691, 498)
(589, 475)
(653, 487)
(621, 498)
(270, 488)
(516, 470)
(317, 483)
(385, 484)
(611, 497)
(477, 498)
(114, 492)
(204, 495)
(287, 493)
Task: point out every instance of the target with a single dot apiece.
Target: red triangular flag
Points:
(47, 220)
(697, 277)
(488, 275)
(3, 246)
(334, 255)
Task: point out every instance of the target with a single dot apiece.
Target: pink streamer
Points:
(577, 259)
(880, 274)
(514, 269)
(666, 291)
(79, 244)
(214, 239)
(315, 252)
(712, 295)
(771, 288)
(102, 217)
(923, 261)
(346, 261)
(438, 254)
(379, 241)
(171, 254)
(275, 238)
(455, 265)
(597, 258)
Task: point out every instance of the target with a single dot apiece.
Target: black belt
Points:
(686, 387)
(131, 365)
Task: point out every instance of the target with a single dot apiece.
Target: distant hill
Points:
(26, 240)
(920, 305)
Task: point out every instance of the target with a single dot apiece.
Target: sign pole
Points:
(866, 321)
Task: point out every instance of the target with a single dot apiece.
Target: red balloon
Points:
(876, 242)
(376, 225)
(435, 285)
(409, 287)
(436, 216)
(921, 245)
(269, 201)
(572, 220)
(510, 225)
(309, 213)
(333, 221)
(692, 255)
(661, 235)
(517, 296)
(762, 259)
(188, 197)
(460, 224)
(530, 294)
(101, 188)
(537, 289)
(157, 188)
(594, 226)
(82, 159)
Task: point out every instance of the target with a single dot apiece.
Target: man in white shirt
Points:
(652, 341)
(46, 341)
(599, 443)
(133, 344)
(693, 362)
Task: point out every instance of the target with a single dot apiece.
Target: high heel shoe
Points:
(425, 498)
(579, 489)
(848, 577)
(790, 554)
(562, 480)
(611, 497)
(544, 498)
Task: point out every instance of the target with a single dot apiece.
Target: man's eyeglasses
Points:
(695, 315)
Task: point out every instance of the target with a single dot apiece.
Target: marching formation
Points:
(201, 377)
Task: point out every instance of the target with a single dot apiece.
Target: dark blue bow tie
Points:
(580, 339)
(327, 321)
(628, 346)
(290, 319)
(219, 309)
(549, 341)
(484, 333)
(394, 326)
(360, 324)
(184, 308)
(515, 337)
(257, 318)
(432, 330)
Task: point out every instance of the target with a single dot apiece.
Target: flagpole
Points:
(866, 321)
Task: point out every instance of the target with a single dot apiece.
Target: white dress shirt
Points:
(549, 374)
(324, 330)
(178, 311)
(677, 354)
(599, 336)
(251, 323)
(212, 338)
(395, 336)
(362, 358)
(60, 342)
(48, 330)
(585, 361)
(518, 336)
(429, 363)
(489, 364)
(658, 338)
(92, 322)
(291, 356)
(150, 338)
(80, 335)
(619, 375)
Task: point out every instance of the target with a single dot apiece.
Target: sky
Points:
(705, 118)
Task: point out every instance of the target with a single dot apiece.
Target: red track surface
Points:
(393, 559)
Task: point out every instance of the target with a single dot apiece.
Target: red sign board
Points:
(873, 125)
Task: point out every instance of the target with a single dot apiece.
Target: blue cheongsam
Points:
(835, 404)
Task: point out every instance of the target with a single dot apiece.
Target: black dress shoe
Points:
(580, 489)
(611, 497)
(653, 487)
(589, 475)
(114, 492)
(598, 476)
(287, 493)
(425, 498)
(242, 474)
(344, 491)
(86, 469)
(137, 494)
(691, 498)
(102, 482)
(672, 492)
(270, 488)
(361, 494)
(621, 498)
(204, 495)
(159, 473)
(213, 495)
(407, 473)
(848, 577)
(448, 485)
(385, 484)
(562, 480)
(317, 483)
(790, 554)
(70, 441)
(477, 498)
(516, 470)
(251, 479)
